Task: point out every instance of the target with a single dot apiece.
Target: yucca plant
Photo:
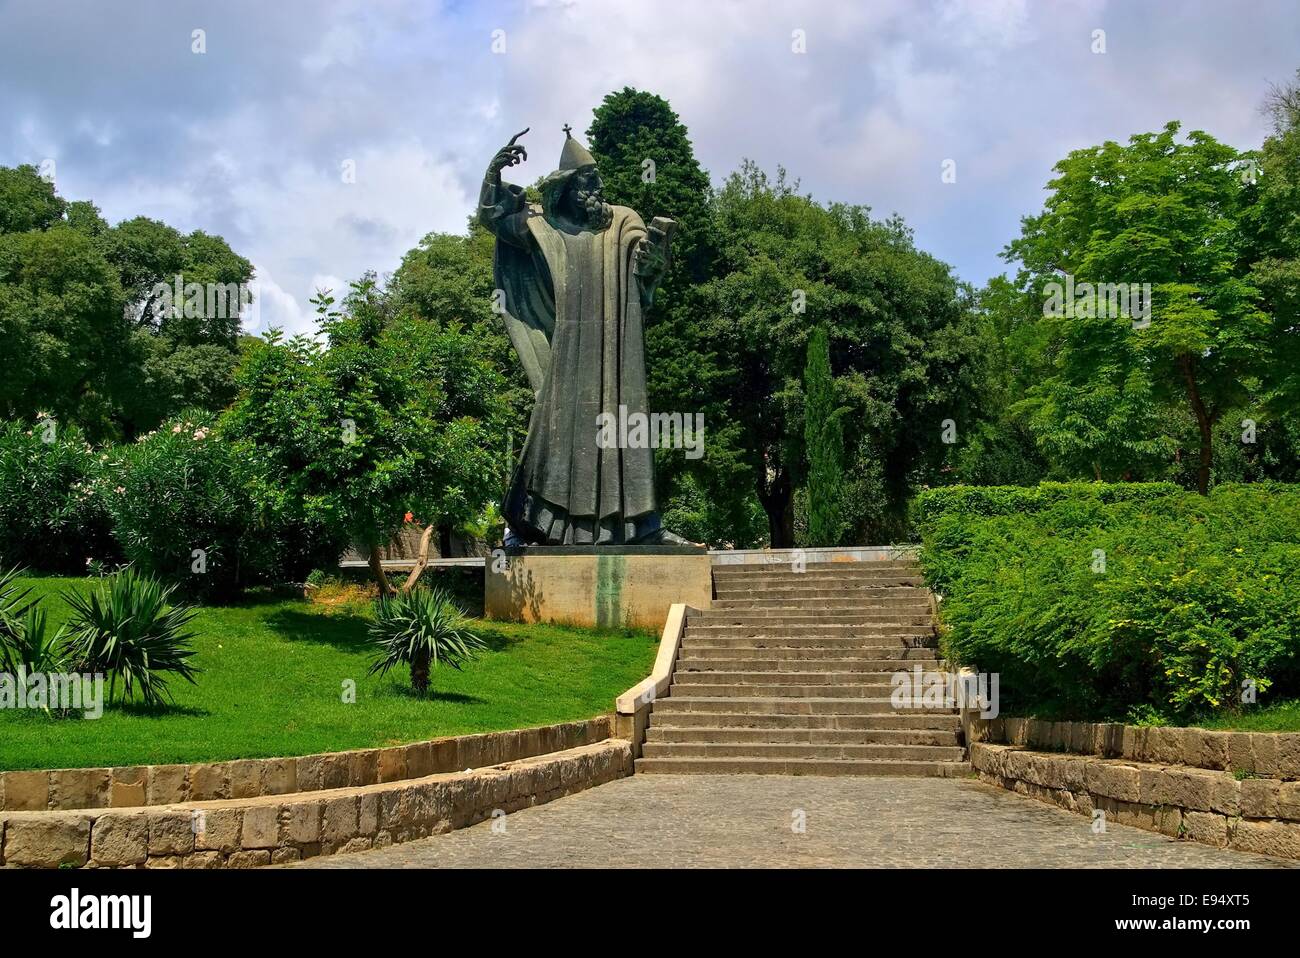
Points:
(126, 629)
(421, 628)
(14, 607)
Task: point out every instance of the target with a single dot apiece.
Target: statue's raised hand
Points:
(512, 154)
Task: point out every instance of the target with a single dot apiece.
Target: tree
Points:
(1273, 251)
(1164, 212)
(898, 325)
(999, 447)
(78, 316)
(61, 327)
(27, 201)
(395, 414)
(647, 163)
(824, 439)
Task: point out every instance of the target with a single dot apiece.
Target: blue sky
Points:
(249, 139)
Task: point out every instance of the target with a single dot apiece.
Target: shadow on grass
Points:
(400, 688)
(342, 631)
(494, 639)
(140, 710)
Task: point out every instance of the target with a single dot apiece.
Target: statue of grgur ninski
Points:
(577, 275)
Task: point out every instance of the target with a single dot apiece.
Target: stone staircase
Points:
(790, 673)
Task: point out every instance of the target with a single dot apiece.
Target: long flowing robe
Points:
(573, 311)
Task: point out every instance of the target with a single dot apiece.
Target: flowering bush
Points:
(51, 515)
(183, 510)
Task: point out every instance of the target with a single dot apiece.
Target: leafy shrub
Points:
(51, 518)
(184, 511)
(422, 628)
(126, 629)
(1009, 500)
(1098, 602)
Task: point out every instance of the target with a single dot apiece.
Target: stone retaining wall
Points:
(1228, 789)
(1212, 807)
(139, 785)
(276, 829)
(1266, 754)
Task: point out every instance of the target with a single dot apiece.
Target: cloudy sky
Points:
(251, 138)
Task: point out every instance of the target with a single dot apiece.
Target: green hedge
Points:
(1010, 500)
(1196, 594)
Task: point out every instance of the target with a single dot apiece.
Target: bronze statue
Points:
(577, 275)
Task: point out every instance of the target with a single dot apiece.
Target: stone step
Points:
(884, 645)
(715, 734)
(696, 684)
(874, 680)
(760, 568)
(829, 604)
(819, 580)
(717, 699)
(804, 750)
(795, 766)
(682, 719)
(761, 658)
(892, 629)
(773, 618)
(791, 666)
(847, 589)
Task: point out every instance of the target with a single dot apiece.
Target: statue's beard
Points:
(592, 209)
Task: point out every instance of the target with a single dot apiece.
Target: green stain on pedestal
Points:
(610, 572)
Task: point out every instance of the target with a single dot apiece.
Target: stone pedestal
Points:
(608, 587)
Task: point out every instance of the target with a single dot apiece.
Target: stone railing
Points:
(632, 708)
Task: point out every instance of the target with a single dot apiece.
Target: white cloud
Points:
(246, 140)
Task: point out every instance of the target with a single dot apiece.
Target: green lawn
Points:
(272, 681)
(1282, 717)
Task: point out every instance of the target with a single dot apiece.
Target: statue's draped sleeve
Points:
(521, 274)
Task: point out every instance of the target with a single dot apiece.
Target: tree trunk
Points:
(1203, 423)
(420, 671)
(421, 560)
(777, 501)
(377, 570)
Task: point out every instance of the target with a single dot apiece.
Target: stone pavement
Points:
(742, 821)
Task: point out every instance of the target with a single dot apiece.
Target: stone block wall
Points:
(272, 829)
(1236, 790)
(139, 785)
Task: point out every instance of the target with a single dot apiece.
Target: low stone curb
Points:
(1260, 815)
(277, 829)
(134, 786)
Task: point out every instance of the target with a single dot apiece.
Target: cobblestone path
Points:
(741, 821)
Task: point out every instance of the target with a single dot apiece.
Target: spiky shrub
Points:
(27, 645)
(126, 629)
(422, 628)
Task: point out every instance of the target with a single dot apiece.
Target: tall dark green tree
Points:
(899, 329)
(647, 163)
(1273, 251)
(824, 440)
